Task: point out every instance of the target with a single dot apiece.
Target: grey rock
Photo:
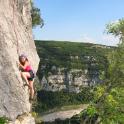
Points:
(15, 38)
(71, 81)
(24, 119)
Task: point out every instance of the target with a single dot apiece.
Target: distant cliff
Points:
(70, 66)
(15, 38)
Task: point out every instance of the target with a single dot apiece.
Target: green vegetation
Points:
(48, 100)
(36, 16)
(3, 120)
(106, 100)
(114, 92)
(72, 55)
(108, 104)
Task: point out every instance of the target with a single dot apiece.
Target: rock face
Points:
(15, 39)
(70, 80)
(24, 119)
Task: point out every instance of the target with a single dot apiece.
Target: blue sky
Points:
(78, 20)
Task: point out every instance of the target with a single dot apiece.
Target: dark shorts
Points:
(31, 76)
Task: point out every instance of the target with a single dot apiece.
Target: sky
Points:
(78, 20)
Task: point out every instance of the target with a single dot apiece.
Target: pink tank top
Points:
(28, 68)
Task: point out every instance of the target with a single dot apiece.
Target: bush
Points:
(50, 100)
(3, 120)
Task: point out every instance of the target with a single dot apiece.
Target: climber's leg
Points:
(31, 88)
(25, 75)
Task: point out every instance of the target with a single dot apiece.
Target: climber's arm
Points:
(23, 66)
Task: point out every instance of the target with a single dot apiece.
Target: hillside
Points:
(62, 53)
(70, 65)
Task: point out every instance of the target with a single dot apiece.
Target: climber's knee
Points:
(22, 74)
(25, 74)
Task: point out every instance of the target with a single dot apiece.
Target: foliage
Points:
(116, 28)
(110, 104)
(52, 53)
(63, 55)
(91, 111)
(3, 120)
(36, 17)
(107, 111)
(50, 100)
(107, 99)
(111, 109)
(37, 84)
(98, 92)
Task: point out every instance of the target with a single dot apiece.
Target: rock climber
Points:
(27, 73)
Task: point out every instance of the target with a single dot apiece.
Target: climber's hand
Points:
(18, 64)
(21, 66)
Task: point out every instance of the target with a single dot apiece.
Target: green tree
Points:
(109, 97)
(36, 16)
(110, 104)
(116, 28)
(116, 69)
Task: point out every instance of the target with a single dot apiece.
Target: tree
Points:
(36, 17)
(110, 104)
(117, 65)
(109, 97)
(116, 28)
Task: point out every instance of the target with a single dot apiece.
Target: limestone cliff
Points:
(72, 80)
(15, 38)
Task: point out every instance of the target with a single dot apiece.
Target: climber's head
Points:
(23, 58)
